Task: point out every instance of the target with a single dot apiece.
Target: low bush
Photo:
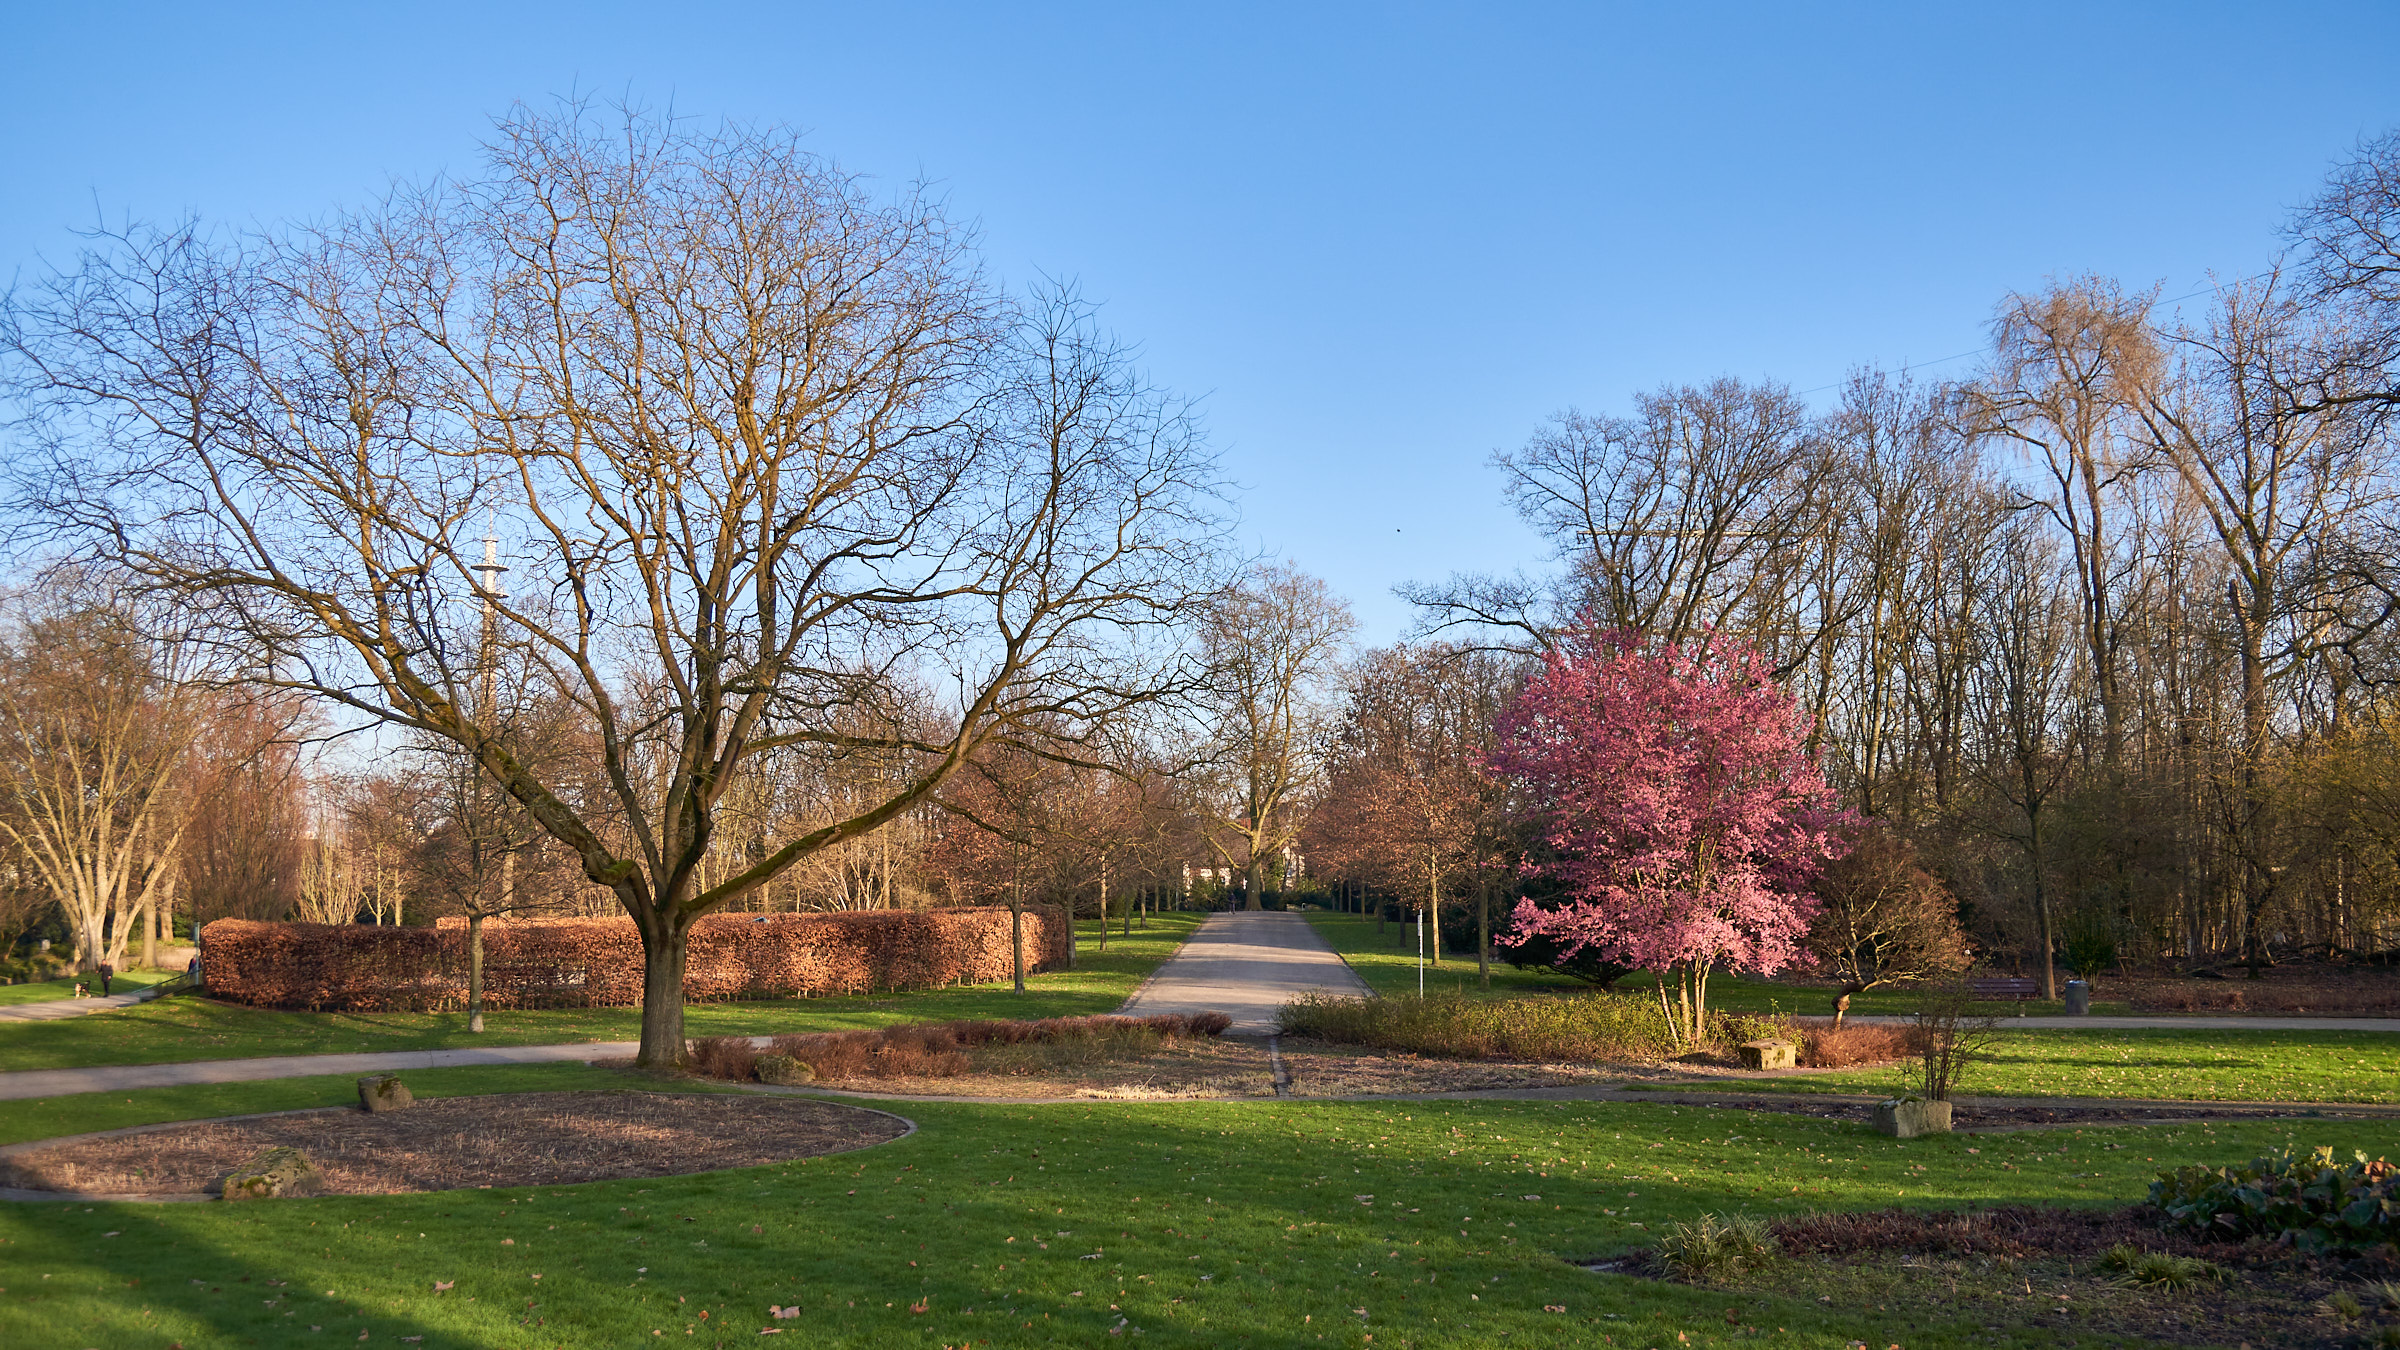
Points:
(1826, 1046)
(1574, 1028)
(2314, 1203)
(939, 1049)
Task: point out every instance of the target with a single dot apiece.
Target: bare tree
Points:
(757, 441)
(97, 720)
(1885, 919)
(2277, 470)
(2072, 365)
(1271, 645)
(2021, 689)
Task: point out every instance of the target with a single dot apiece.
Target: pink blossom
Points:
(1680, 797)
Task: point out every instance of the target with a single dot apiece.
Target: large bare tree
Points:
(757, 440)
(1272, 644)
(99, 713)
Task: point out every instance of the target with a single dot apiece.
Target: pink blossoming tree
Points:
(1687, 818)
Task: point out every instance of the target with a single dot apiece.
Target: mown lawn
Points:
(44, 991)
(1202, 1224)
(181, 1028)
(2246, 1065)
(1388, 964)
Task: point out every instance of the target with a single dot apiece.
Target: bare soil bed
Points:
(2036, 1267)
(449, 1143)
(1230, 1068)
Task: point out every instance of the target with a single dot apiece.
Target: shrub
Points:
(1576, 1028)
(2312, 1203)
(1945, 1041)
(1715, 1246)
(1823, 1045)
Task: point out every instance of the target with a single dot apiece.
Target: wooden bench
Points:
(1992, 988)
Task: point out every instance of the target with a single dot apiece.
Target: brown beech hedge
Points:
(586, 963)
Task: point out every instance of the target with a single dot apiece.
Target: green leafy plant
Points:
(2313, 1203)
(1715, 1245)
(2343, 1304)
(2088, 952)
(2137, 1268)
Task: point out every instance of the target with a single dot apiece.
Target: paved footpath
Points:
(1246, 965)
(51, 1010)
(124, 1077)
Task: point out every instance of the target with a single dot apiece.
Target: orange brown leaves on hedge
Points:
(536, 963)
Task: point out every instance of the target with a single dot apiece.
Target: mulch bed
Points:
(2031, 1266)
(450, 1143)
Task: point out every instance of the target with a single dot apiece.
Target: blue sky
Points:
(1383, 240)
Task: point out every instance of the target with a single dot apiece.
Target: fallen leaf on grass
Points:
(783, 1314)
(920, 1306)
(444, 1286)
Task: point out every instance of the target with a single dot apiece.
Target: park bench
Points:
(1994, 987)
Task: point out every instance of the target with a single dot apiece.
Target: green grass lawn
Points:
(2246, 1065)
(1388, 961)
(1388, 964)
(180, 1028)
(43, 991)
(1202, 1224)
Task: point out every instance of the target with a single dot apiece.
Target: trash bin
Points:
(2079, 998)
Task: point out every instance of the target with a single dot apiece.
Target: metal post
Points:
(1420, 951)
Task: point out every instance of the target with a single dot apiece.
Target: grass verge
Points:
(51, 991)
(1205, 1224)
(174, 1030)
(2245, 1065)
(1388, 963)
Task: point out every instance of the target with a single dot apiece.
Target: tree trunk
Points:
(1016, 932)
(663, 955)
(2041, 915)
(1250, 883)
(475, 977)
(1483, 933)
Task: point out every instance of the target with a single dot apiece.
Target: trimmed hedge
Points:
(589, 963)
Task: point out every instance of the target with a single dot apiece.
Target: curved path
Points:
(1245, 965)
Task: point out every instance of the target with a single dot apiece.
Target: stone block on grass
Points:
(272, 1175)
(1909, 1117)
(784, 1071)
(384, 1092)
(1769, 1055)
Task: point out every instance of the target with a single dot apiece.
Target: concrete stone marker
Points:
(384, 1092)
(276, 1173)
(1769, 1055)
(1906, 1119)
(784, 1071)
